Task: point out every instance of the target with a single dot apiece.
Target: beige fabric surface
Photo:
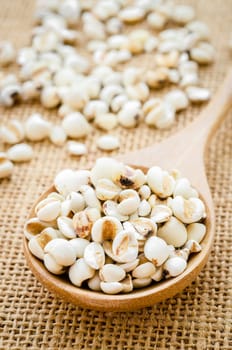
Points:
(198, 318)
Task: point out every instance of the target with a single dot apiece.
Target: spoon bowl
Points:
(185, 151)
(62, 287)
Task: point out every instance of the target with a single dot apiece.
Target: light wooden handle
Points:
(210, 118)
(185, 149)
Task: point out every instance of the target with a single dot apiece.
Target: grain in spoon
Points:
(174, 152)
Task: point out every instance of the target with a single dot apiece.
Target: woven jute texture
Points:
(198, 318)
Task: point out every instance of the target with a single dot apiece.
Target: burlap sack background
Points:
(32, 318)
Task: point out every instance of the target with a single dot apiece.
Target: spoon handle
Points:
(213, 114)
(185, 149)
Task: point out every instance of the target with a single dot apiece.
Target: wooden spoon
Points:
(184, 151)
